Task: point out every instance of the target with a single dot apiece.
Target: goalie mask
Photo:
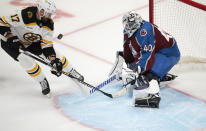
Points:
(131, 22)
(49, 8)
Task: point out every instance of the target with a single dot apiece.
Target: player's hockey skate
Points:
(45, 87)
(152, 101)
(77, 75)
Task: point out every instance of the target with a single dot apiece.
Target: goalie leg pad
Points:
(146, 94)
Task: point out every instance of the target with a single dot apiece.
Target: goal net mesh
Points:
(186, 22)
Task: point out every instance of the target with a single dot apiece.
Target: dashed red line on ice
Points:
(90, 26)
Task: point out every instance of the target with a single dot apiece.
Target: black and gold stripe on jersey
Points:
(35, 71)
(46, 43)
(64, 62)
(3, 21)
(4, 26)
(29, 18)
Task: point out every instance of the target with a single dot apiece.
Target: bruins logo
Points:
(31, 37)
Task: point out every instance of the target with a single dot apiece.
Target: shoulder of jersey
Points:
(49, 24)
(29, 17)
(146, 28)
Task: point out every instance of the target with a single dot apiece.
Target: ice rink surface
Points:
(92, 34)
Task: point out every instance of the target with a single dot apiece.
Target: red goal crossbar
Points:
(195, 4)
(189, 2)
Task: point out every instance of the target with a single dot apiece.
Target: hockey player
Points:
(150, 53)
(31, 29)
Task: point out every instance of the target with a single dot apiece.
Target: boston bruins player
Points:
(31, 29)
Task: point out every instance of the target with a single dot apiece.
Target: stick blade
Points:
(120, 93)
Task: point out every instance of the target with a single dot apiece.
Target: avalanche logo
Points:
(143, 32)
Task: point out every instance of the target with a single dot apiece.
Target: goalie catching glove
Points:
(57, 67)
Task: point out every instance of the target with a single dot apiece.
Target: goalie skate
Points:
(168, 77)
(152, 101)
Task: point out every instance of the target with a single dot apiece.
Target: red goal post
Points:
(186, 21)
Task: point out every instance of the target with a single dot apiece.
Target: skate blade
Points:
(146, 106)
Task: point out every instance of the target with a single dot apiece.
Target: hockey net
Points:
(186, 21)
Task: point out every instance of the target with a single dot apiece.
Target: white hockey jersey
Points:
(24, 24)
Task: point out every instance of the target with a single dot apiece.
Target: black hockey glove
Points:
(57, 67)
(134, 67)
(12, 46)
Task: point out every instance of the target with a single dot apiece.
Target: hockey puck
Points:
(60, 36)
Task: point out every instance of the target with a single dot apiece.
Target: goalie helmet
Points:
(131, 22)
(48, 6)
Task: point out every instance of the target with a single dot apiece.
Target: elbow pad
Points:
(4, 30)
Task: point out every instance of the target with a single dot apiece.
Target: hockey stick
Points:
(108, 81)
(42, 60)
(114, 75)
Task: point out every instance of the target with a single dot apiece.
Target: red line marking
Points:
(186, 93)
(57, 106)
(55, 100)
(103, 60)
(100, 59)
(102, 21)
(84, 52)
(90, 26)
